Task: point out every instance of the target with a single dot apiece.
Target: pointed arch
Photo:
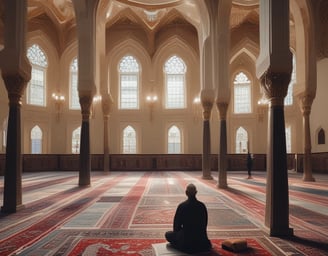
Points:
(289, 99)
(36, 88)
(129, 140)
(74, 102)
(174, 140)
(36, 140)
(76, 134)
(242, 94)
(175, 88)
(321, 136)
(288, 134)
(4, 133)
(241, 141)
(129, 72)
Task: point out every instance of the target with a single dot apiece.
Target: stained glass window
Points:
(174, 140)
(36, 86)
(242, 94)
(175, 70)
(129, 140)
(129, 83)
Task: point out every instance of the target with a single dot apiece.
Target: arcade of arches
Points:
(204, 77)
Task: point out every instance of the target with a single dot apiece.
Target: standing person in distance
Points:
(249, 165)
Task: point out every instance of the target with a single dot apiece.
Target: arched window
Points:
(175, 70)
(36, 87)
(321, 137)
(288, 132)
(241, 141)
(76, 140)
(129, 83)
(174, 140)
(36, 140)
(242, 94)
(74, 95)
(4, 134)
(288, 101)
(129, 141)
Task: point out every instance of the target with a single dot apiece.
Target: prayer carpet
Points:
(102, 247)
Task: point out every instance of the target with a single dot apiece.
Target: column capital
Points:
(222, 107)
(107, 104)
(207, 109)
(86, 99)
(207, 100)
(305, 101)
(15, 85)
(275, 86)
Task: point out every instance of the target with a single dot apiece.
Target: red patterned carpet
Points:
(125, 213)
(135, 247)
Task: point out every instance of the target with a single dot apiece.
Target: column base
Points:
(219, 185)
(308, 178)
(207, 177)
(285, 232)
(5, 209)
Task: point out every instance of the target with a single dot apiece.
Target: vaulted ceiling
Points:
(58, 19)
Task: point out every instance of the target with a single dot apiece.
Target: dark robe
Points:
(189, 227)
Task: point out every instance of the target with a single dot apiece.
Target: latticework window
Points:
(36, 86)
(288, 101)
(129, 83)
(175, 70)
(241, 141)
(36, 140)
(242, 94)
(129, 140)
(174, 140)
(74, 95)
(76, 140)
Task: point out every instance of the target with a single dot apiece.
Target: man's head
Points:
(191, 190)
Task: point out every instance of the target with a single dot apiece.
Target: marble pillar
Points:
(222, 160)
(106, 107)
(85, 13)
(306, 103)
(277, 200)
(12, 201)
(207, 103)
(85, 157)
(16, 72)
(273, 68)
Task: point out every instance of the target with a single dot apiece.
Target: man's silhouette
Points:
(189, 227)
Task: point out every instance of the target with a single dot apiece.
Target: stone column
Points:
(274, 67)
(86, 99)
(306, 103)
(106, 107)
(16, 72)
(222, 162)
(277, 202)
(85, 12)
(207, 100)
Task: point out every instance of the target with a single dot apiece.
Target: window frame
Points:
(129, 74)
(249, 88)
(183, 88)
